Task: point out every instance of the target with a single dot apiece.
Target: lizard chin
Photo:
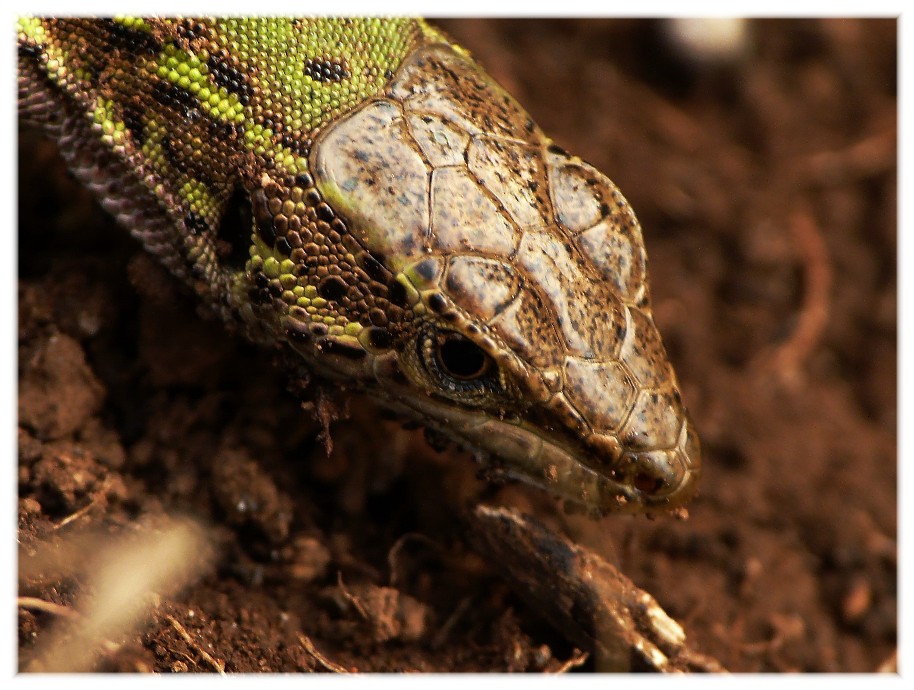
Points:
(624, 480)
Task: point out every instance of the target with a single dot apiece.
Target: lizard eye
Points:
(461, 358)
(458, 366)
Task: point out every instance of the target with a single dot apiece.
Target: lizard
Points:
(359, 195)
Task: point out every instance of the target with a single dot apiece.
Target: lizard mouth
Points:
(637, 481)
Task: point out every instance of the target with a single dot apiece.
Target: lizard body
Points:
(361, 195)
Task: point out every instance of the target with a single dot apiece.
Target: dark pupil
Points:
(461, 358)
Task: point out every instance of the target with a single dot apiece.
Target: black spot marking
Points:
(325, 213)
(556, 149)
(427, 270)
(304, 180)
(269, 121)
(380, 338)
(195, 224)
(295, 145)
(263, 219)
(397, 294)
(29, 50)
(224, 131)
(191, 29)
(437, 303)
(332, 288)
(374, 267)
(312, 197)
(133, 121)
(174, 160)
(176, 98)
(230, 77)
(327, 69)
(234, 232)
(283, 246)
(131, 41)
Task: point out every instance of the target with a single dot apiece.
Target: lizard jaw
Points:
(622, 481)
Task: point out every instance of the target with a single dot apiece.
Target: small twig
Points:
(787, 359)
(393, 556)
(217, 664)
(96, 496)
(586, 598)
(78, 514)
(441, 636)
(352, 599)
(36, 604)
(321, 659)
(579, 658)
(870, 156)
(698, 662)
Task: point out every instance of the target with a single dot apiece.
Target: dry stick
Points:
(393, 555)
(870, 156)
(217, 664)
(352, 599)
(577, 659)
(788, 358)
(587, 599)
(441, 636)
(321, 659)
(36, 604)
(873, 155)
(96, 497)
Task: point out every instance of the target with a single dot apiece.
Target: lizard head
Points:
(495, 286)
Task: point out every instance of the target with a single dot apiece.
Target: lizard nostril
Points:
(648, 483)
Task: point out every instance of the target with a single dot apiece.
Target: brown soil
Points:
(767, 192)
